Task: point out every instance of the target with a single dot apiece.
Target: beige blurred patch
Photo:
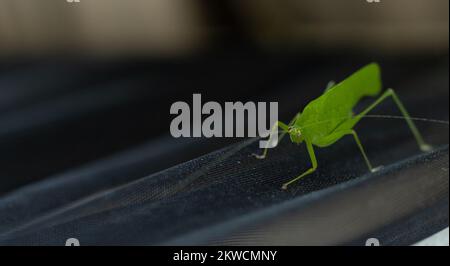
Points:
(174, 27)
(154, 27)
(389, 26)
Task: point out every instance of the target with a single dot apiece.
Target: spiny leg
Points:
(390, 93)
(285, 129)
(361, 148)
(312, 156)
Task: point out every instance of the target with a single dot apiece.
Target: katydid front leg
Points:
(284, 128)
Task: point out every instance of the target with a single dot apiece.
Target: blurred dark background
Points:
(88, 86)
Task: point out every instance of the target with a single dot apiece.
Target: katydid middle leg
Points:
(313, 158)
(333, 137)
(361, 149)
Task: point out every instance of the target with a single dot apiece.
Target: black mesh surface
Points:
(163, 191)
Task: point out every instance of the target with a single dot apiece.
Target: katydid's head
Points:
(296, 134)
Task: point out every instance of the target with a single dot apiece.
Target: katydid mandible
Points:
(329, 117)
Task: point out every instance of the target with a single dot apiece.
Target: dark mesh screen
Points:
(162, 191)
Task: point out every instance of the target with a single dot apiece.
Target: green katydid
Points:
(329, 117)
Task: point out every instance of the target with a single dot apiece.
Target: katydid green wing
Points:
(322, 115)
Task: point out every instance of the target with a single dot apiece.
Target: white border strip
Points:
(438, 239)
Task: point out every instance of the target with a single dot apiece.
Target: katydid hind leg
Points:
(391, 93)
(313, 158)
